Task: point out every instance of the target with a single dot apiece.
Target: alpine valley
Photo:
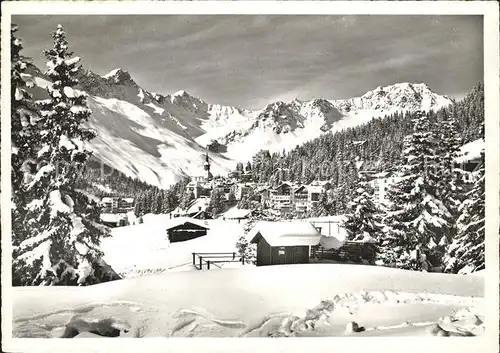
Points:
(160, 138)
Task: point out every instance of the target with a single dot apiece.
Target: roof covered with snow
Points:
(294, 233)
(112, 217)
(470, 151)
(178, 221)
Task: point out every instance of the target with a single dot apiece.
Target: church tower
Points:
(206, 166)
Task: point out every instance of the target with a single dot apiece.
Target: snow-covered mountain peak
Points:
(400, 96)
(159, 137)
(119, 76)
(181, 93)
(112, 73)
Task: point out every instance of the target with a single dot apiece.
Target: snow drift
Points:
(271, 301)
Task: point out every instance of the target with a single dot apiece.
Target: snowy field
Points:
(145, 249)
(163, 295)
(293, 300)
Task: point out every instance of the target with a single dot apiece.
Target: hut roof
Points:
(112, 217)
(285, 233)
(179, 221)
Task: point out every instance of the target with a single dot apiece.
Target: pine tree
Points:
(362, 219)
(450, 181)
(23, 138)
(231, 199)
(64, 234)
(139, 205)
(23, 115)
(417, 219)
(466, 252)
(216, 204)
(187, 198)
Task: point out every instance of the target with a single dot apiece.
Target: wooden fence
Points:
(351, 251)
(208, 259)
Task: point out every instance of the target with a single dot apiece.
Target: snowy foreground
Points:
(292, 300)
(163, 295)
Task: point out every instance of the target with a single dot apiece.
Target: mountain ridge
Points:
(160, 138)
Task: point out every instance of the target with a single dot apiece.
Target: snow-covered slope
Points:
(162, 295)
(138, 135)
(270, 301)
(160, 138)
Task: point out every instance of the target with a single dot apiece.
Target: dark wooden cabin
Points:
(186, 231)
(281, 243)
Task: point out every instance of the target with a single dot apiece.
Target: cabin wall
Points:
(268, 255)
(184, 235)
(264, 253)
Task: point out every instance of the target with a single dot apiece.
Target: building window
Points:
(281, 251)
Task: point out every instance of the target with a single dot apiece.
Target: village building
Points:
(117, 204)
(280, 243)
(301, 199)
(281, 198)
(113, 219)
(126, 204)
(314, 193)
(381, 183)
(240, 190)
(183, 229)
(468, 161)
(264, 194)
(109, 203)
(199, 189)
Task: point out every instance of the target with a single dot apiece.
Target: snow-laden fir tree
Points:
(417, 219)
(362, 219)
(186, 200)
(466, 252)
(449, 143)
(23, 136)
(62, 247)
(216, 204)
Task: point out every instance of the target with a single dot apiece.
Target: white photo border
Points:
(486, 343)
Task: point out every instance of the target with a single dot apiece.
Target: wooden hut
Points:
(183, 229)
(280, 243)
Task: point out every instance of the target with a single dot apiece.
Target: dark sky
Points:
(251, 60)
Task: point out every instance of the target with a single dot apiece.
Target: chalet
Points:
(314, 195)
(264, 193)
(280, 243)
(182, 229)
(300, 198)
(126, 204)
(281, 197)
(381, 183)
(117, 204)
(469, 160)
(109, 203)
